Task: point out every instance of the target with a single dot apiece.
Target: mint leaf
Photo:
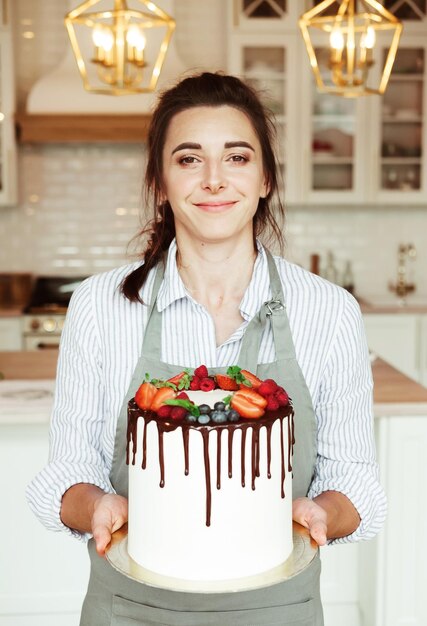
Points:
(186, 404)
(227, 399)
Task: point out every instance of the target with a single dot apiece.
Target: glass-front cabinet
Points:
(8, 165)
(268, 67)
(401, 172)
(336, 150)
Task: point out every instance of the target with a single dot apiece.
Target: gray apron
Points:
(113, 599)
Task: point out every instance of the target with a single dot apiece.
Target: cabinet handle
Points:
(47, 346)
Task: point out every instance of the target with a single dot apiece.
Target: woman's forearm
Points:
(78, 505)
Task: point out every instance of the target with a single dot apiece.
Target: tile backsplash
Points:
(80, 205)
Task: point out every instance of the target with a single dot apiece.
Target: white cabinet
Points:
(393, 576)
(43, 577)
(396, 338)
(10, 333)
(423, 351)
(8, 162)
(337, 150)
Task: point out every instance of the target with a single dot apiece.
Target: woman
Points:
(212, 177)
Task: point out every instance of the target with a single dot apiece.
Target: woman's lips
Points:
(215, 207)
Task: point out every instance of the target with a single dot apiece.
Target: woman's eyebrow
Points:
(239, 144)
(188, 145)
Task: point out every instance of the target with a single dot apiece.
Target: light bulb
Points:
(336, 38)
(135, 37)
(103, 38)
(369, 39)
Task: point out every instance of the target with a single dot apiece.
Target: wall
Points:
(80, 205)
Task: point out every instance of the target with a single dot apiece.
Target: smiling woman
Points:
(208, 294)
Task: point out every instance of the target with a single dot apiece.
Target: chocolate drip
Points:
(243, 457)
(266, 421)
(185, 436)
(218, 459)
(205, 435)
(230, 452)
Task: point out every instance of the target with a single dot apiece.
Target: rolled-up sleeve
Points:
(77, 423)
(346, 460)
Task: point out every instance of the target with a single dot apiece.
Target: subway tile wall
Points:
(81, 205)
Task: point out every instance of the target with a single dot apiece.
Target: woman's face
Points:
(213, 173)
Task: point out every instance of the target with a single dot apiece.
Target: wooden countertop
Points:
(394, 393)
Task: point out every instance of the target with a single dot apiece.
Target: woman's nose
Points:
(213, 179)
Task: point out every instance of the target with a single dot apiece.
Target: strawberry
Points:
(267, 387)
(250, 378)
(245, 407)
(282, 398)
(201, 371)
(195, 384)
(182, 396)
(177, 412)
(226, 382)
(164, 411)
(164, 393)
(181, 380)
(145, 395)
(272, 403)
(207, 384)
(252, 396)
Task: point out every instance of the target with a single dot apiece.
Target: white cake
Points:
(176, 528)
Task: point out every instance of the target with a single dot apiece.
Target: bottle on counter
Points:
(348, 278)
(330, 272)
(315, 264)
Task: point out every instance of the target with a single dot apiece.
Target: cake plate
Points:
(305, 549)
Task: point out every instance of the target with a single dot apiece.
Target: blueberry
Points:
(232, 415)
(219, 417)
(204, 409)
(203, 419)
(190, 419)
(219, 406)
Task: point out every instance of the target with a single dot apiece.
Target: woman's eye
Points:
(239, 158)
(188, 160)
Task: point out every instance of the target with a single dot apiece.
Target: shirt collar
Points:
(257, 292)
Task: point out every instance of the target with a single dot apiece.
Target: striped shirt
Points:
(101, 343)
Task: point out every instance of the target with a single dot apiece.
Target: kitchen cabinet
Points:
(8, 155)
(337, 150)
(396, 338)
(10, 333)
(44, 575)
(392, 567)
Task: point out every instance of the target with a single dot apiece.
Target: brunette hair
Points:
(212, 90)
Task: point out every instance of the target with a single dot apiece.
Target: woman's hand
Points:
(110, 512)
(313, 517)
(88, 509)
(328, 516)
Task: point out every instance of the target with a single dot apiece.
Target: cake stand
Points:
(305, 549)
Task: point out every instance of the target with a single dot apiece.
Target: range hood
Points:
(60, 109)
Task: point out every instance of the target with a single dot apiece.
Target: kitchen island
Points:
(376, 583)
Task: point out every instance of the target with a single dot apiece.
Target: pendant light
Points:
(341, 44)
(119, 49)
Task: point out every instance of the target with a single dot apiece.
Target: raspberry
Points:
(182, 396)
(178, 413)
(164, 411)
(195, 384)
(272, 403)
(201, 371)
(282, 398)
(267, 387)
(207, 384)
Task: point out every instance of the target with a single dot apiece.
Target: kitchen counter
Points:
(29, 401)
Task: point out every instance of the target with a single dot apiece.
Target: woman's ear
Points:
(265, 188)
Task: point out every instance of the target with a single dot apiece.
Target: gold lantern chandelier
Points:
(119, 50)
(340, 46)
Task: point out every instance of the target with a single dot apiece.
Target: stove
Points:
(45, 314)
